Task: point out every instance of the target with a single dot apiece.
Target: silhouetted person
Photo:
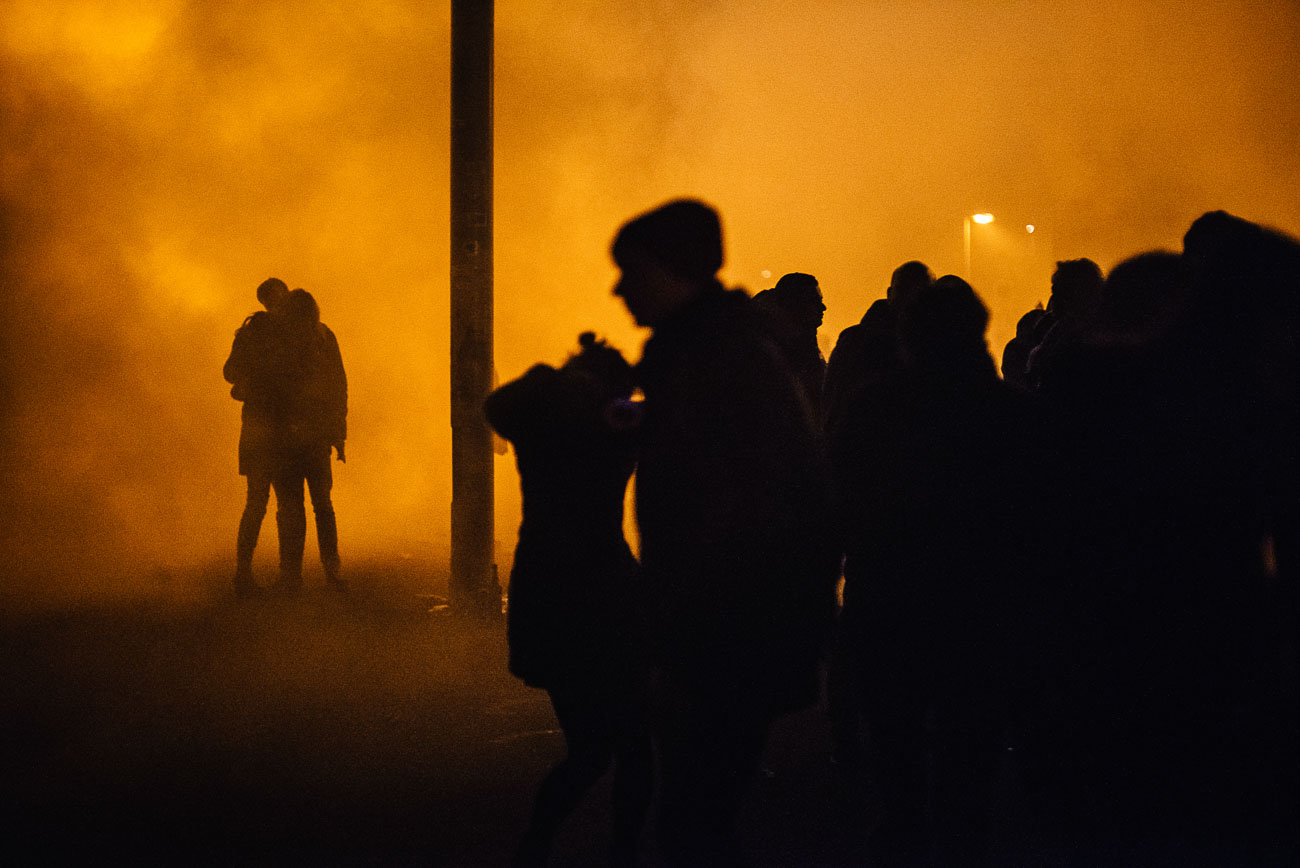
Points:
(572, 621)
(1015, 356)
(868, 350)
(1076, 294)
(865, 356)
(937, 506)
(733, 512)
(796, 302)
(311, 423)
(249, 369)
(1165, 643)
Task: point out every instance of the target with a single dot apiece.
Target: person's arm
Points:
(236, 370)
(336, 384)
(524, 407)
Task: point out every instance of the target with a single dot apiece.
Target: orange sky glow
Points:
(159, 158)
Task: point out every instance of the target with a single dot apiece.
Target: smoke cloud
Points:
(160, 159)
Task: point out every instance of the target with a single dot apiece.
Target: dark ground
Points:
(183, 728)
(189, 729)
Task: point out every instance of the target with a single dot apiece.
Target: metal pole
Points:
(473, 585)
(967, 251)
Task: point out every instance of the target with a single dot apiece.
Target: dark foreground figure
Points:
(572, 618)
(732, 504)
(934, 465)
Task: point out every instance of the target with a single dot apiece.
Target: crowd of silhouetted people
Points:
(1082, 569)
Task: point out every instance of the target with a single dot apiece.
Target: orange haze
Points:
(159, 158)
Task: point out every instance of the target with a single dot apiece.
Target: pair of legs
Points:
(291, 521)
(602, 723)
(934, 750)
(291, 517)
(710, 739)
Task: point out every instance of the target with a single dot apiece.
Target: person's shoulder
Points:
(849, 335)
(255, 321)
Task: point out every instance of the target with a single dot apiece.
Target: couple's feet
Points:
(285, 587)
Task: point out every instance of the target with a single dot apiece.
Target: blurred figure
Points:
(937, 504)
(865, 356)
(1076, 293)
(313, 423)
(248, 369)
(1168, 735)
(572, 616)
(1015, 356)
(867, 350)
(798, 308)
(733, 510)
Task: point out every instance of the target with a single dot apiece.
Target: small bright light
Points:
(765, 273)
(982, 218)
(1030, 228)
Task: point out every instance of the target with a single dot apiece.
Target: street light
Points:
(981, 218)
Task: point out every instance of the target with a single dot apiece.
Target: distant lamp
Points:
(978, 218)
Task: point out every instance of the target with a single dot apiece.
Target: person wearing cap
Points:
(733, 510)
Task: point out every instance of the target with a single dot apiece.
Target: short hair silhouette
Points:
(907, 280)
(945, 318)
(271, 289)
(1076, 285)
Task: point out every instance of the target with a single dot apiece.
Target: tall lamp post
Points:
(473, 587)
(981, 218)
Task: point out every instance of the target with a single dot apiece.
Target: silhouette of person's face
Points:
(275, 301)
(812, 309)
(649, 290)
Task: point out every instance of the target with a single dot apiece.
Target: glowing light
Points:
(1030, 228)
(765, 273)
(982, 218)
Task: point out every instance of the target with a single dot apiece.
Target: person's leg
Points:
(711, 746)
(895, 705)
(589, 737)
(320, 480)
(291, 522)
(250, 526)
(633, 775)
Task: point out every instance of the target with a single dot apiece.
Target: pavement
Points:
(184, 727)
(179, 726)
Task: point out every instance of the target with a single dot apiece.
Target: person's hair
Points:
(270, 288)
(908, 279)
(684, 236)
(1146, 292)
(302, 307)
(944, 319)
(793, 289)
(603, 362)
(1076, 286)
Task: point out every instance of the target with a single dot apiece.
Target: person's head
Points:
(907, 280)
(945, 321)
(667, 257)
(1076, 287)
(272, 293)
(800, 297)
(301, 307)
(1145, 295)
(604, 365)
